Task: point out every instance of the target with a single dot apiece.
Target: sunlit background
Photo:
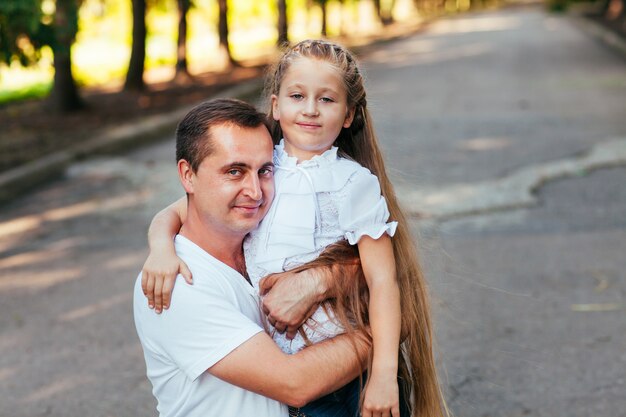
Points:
(102, 47)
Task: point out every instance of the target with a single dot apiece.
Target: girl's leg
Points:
(342, 403)
(405, 407)
(345, 402)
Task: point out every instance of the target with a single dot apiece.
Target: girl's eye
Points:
(327, 100)
(297, 96)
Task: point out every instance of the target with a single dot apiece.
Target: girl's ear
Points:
(275, 111)
(349, 117)
(186, 175)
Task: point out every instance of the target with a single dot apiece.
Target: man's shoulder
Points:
(209, 273)
(198, 259)
(188, 251)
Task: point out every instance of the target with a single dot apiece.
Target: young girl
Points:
(331, 185)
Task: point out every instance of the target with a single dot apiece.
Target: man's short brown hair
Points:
(193, 134)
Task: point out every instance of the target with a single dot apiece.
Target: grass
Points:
(32, 91)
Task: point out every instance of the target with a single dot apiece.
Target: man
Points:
(208, 354)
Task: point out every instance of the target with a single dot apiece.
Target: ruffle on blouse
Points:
(290, 225)
(365, 213)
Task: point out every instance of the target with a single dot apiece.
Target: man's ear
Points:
(275, 110)
(349, 117)
(186, 176)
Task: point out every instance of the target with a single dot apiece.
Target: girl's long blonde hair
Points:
(359, 143)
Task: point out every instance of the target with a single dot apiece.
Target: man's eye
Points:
(234, 172)
(266, 171)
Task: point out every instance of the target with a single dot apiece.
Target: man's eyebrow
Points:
(244, 165)
(235, 165)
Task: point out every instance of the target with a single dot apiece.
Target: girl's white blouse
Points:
(317, 202)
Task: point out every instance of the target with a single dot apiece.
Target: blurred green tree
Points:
(25, 29)
(20, 24)
(136, 65)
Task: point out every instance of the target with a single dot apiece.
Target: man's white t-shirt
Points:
(206, 321)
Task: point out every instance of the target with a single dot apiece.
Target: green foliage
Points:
(32, 91)
(559, 6)
(25, 29)
(20, 20)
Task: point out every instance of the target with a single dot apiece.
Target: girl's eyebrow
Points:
(302, 87)
(295, 85)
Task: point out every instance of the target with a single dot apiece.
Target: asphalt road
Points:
(530, 301)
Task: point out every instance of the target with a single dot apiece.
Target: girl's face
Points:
(311, 107)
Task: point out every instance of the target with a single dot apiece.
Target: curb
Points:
(516, 190)
(18, 181)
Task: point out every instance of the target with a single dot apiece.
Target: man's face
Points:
(234, 186)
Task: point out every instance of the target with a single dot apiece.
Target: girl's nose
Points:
(310, 109)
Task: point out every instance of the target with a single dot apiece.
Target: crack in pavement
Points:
(513, 191)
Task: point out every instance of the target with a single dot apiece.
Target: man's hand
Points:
(290, 298)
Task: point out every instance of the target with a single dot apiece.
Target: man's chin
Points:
(246, 225)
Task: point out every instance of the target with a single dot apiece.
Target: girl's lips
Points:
(308, 125)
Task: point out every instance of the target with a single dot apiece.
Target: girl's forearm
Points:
(378, 263)
(166, 224)
(385, 318)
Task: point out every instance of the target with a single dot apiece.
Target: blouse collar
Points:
(282, 158)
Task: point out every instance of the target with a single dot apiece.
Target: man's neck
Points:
(223, 247)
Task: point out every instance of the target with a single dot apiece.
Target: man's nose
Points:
(253, 188)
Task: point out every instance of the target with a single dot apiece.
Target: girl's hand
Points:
(381, 398)
(158, 276)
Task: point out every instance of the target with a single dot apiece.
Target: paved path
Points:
(530, 301)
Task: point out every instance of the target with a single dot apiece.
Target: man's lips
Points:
(247, 207)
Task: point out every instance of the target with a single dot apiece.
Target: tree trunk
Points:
(134, 76)
(283, 26)
(182, 69)
(64, 96)
(324, 18)
(388, 16)
(222, 28)
(379, 10)
(385, 16)
(342, 18)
